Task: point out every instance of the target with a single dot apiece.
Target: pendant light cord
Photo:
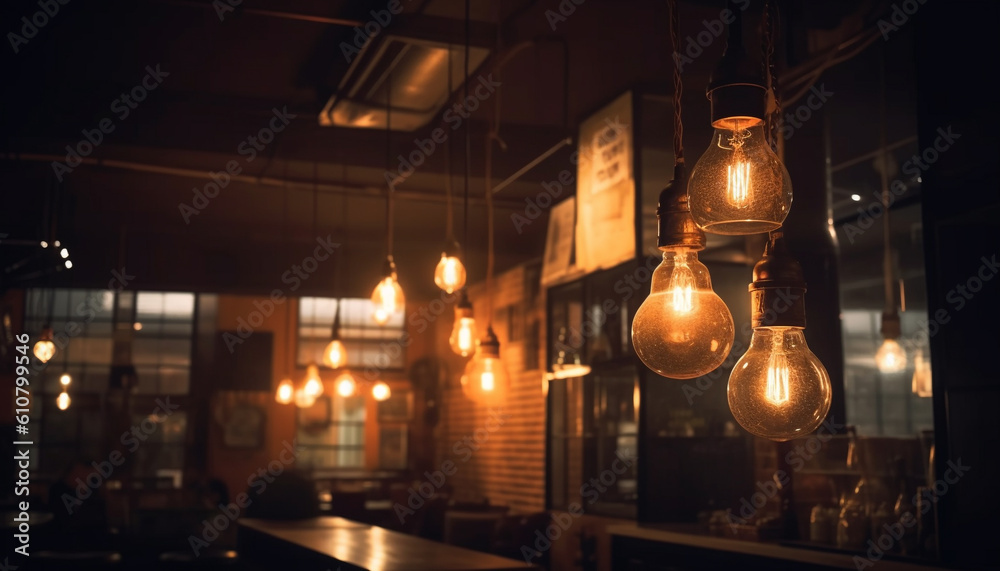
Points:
(449, 223)
(890, 304)
(769, 26)
(468, 143)
(388, 160)
(678, 85)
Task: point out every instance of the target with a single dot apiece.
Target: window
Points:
(367, 344)
(82, 322)
(331, 433)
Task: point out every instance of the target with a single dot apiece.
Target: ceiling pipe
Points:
(368, 191)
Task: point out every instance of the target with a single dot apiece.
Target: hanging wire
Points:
(678, 85)
(890, 303)
(449, 223)
(468, 143)
(769, 28)
(388, 160)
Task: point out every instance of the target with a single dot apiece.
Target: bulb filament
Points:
(681, 285)
(465, 337)
(777, 374)
(487, 381)
(738, 171)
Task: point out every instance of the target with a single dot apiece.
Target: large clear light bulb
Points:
(335, 355)
(683, 329)
(485, 380)
(463, 332)
(387, 297)
(285, 392)
(449, 274)
(739, 186)
(779, 389)
(890, 357)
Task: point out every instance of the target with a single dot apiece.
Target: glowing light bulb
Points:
(346, 385)
(285, 392)
(922, 375)
(779, 389)
(890, 357)
(44, 348)
(449, 274)
(303, 399)
(683, 329)
(485, 380)
(314, 383)
(381, 391)
(463, 332)
(335, 355)
(65, 379)
(388, 296)
(63, 400)
(739, 186)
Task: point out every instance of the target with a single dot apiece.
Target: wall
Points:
(509, 466)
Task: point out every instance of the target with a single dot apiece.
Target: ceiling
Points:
(226, 76)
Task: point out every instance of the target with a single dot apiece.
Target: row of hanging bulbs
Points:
(778, 389)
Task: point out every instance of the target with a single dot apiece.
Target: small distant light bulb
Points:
(137, 326)
(65, 379)
(64, 253)
(463, 332)
(856, 197)
(314, 384)
(69, 264)
(381, 391)
(303, 399)
(45, 244)
(891, 357)
(63, 401)
(56, 243)
(450, 273)
(285, 392)
(335, 355)
(44, 348)
(388, 296)
(485, 380)
(346, 385)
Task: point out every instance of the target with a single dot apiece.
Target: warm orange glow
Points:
(44, 350)
(65, 379)
(285, 392)
(388, 299)
(346, 385)
(381, 391)
(314, 383)
(63, 401)
(449, 274)
(335, 355)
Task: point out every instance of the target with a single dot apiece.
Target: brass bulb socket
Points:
(777, 294)
(675, 227)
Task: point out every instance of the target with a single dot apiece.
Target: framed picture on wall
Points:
(244, 427)
(396, 408)
(392, 447)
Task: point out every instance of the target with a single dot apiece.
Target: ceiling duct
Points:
(415, 53)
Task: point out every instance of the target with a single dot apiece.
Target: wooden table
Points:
(333, 541)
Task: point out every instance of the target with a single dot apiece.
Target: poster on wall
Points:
(557, 260)
(605, 192)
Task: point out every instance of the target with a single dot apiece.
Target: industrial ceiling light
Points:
(890, 357)
(683, 329)
(739, 186)
(345, 384)
(463, 332)
(387, 298)
(313, 384)
(779, 389)
(335, 354)
(44, 348)
(449, 275)
(381, 391)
